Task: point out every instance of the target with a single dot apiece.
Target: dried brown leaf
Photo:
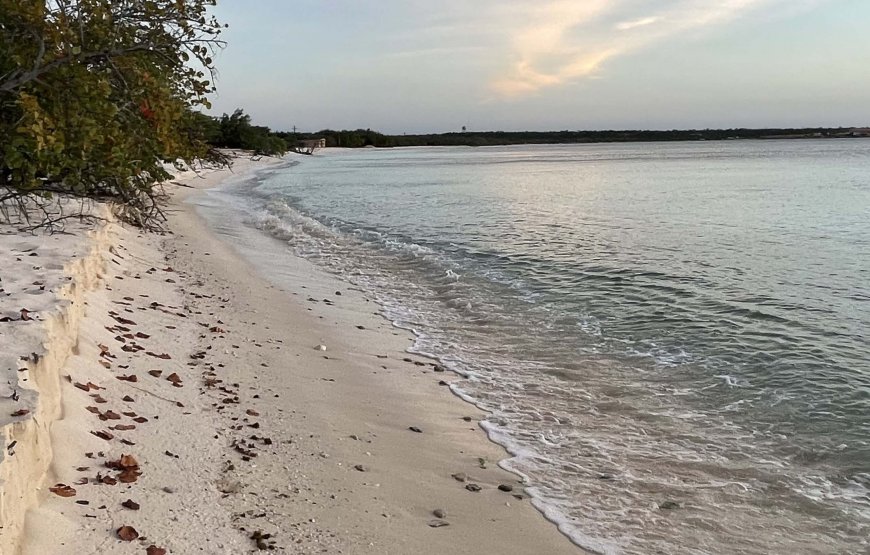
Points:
(127, 533)
(63, 490)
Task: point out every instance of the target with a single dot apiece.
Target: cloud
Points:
(626, 25)
(563, 41)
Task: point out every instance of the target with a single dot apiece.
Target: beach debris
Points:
(440, 513)
(162, 356)
(669, 505)
(20, 412)
(110, 415)
(25, 314)
(130, 378)
(87, 386)
(62, 490)
(481, 462)
(473, 487)
(467, 418)
(505, 487)
(320, 347)
(154, 550)
(130, 504)
(360, 468)
(103, 435)
(415, 429)
(438, 523)
(127, 533)
(175, 379)
(128, 399)
(128, 466)
(438, 368)
(155, 373)
(260, 538)
(460, 476)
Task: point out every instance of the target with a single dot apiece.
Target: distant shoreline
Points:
(367, 138)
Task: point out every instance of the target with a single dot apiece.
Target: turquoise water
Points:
(672, 338)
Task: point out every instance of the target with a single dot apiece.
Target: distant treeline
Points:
(236, 131)
(367, 137)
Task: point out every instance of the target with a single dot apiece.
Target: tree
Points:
(236, 131)
(95, 94)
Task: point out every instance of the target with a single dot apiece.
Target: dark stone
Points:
(472, 487)
(415, 429)
(505, 487)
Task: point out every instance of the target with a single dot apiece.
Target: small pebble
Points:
(438, 523)
(415, 429)
(460, 476)
(472, 487)
(440, 513)
(505, 487)
(360, 468)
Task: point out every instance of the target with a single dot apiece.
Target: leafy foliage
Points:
(94, 94)
(236, 131)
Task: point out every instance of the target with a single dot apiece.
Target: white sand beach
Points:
(179, 401)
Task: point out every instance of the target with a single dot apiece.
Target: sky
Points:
(416, 66)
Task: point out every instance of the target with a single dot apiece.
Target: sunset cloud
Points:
(561, 42)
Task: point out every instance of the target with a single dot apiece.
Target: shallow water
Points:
(671, 337)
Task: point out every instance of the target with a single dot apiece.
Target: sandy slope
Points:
(264, 434)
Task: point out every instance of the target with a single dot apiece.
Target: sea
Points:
(671, 340)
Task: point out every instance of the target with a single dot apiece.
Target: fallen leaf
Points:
(130, 378)
(140, 420)
(141, 335)
(62, 490)
(103, 435)
(163, 356)
(128, 476)
(93, 410)
(127, 533)
(124, 427)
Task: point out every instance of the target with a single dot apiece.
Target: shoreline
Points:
(252, 383)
